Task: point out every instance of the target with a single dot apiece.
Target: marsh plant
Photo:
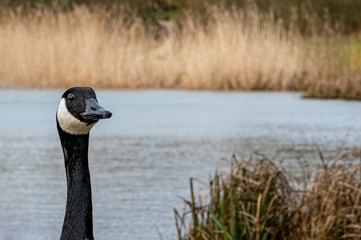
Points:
(258, 199)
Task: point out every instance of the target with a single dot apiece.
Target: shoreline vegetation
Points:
(259, 199)
(231, 49)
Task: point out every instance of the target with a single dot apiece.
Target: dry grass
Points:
(264, 201)
(232, 51)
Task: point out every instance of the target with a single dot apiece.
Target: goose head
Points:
(79, 111)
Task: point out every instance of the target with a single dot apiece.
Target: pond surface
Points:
(142, 158)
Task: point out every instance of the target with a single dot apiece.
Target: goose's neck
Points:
(78, 221)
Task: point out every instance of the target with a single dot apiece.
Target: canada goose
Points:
(77, 113)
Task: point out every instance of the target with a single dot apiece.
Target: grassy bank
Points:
(263, 201)
(231, 50)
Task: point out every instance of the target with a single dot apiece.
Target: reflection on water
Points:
(141, 158)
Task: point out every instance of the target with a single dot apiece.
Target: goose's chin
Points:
(91, 121)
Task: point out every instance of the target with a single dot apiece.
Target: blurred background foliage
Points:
(343, 12)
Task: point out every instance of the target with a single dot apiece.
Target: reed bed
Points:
(231, 50)
(261, 200)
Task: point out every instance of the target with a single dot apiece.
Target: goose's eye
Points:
(71, 97)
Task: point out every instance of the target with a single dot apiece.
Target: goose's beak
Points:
(94, 111)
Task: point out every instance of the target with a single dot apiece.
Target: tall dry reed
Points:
(264, 201)
(232, 50)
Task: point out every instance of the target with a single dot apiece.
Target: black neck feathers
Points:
(78, 221)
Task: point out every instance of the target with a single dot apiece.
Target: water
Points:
(142, 158)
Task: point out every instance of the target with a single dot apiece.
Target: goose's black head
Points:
(79, 110)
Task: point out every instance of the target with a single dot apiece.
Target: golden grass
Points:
(232, 51)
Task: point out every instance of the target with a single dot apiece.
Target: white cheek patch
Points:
(69, 123)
